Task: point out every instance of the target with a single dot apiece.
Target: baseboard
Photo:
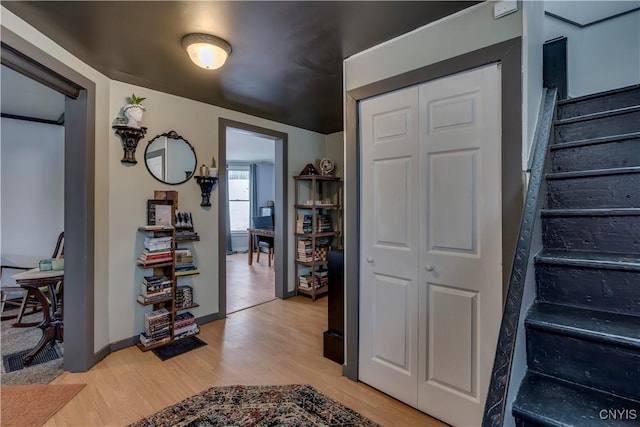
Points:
(209, 318)
(101, 354)
(127, 342)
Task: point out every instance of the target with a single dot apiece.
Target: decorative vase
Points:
(133, 113)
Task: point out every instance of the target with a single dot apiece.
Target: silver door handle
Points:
(369, 260)
(429, 267)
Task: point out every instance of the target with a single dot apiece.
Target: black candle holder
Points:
(206, 185)
(130, 138)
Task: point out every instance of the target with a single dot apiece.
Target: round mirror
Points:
(170, 158)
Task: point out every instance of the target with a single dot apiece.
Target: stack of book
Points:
(184, 262)
(323, 224)
(184, 326)
(305, 250)
(157, 328)
(308, 282)
(184, 296)
(322, 277)
(156, 250)
(187, 235)
(303, 224)
(154, 289)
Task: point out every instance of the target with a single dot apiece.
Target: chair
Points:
(264, 222)
(28, 301)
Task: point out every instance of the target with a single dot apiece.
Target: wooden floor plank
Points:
(279, 342)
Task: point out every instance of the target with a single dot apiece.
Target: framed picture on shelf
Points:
(159, 212)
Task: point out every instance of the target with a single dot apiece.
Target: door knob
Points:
(369, 260)
(429, 267)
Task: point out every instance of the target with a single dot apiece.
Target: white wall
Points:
(532, 42)
(135, 185)
(32, 169)
(103, 142)
(600, 57)
(468, 30)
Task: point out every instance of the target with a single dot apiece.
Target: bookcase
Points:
(318, 207)
(167, 257)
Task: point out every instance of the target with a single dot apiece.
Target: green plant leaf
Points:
(135, 100)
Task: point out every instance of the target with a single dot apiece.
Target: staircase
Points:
(583, 331)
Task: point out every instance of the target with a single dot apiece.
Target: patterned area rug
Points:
(297, 405)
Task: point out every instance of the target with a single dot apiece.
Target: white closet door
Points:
(389, 244)
(460, 243)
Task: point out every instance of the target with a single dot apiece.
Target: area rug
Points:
(33, 405)
(177, 348)
(297, 405)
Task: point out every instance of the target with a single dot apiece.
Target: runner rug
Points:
(34, 404)
(297, 405)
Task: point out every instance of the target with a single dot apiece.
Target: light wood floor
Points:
(248, 285)
(279, 342)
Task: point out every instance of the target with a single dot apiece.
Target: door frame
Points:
(79, 179)
(509, 55)
(280, 215)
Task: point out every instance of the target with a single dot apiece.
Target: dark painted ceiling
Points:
(286, 63)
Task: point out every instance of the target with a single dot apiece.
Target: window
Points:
(238, 177)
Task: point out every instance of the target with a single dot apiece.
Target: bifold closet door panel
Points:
(389, 244)
(461, 242)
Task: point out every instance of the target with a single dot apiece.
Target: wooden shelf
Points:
(187, 307)
(186, 273)
(314, 292)
(156, 265)
(311, 263)
(156, 228)
(182, 240)
(188, 336)
(325, 234)
(160, 301)
(317, 177)
(151, 347)
(317, 206)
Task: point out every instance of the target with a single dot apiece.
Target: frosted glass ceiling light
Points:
(206, 51)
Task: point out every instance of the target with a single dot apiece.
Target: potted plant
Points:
(133, 111)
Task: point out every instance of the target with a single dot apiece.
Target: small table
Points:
(266, 232)
(51, 325)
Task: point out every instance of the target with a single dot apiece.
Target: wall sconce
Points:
(206, 51)
(206, 185)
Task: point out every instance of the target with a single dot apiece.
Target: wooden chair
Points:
(28, 301)
(266, 243)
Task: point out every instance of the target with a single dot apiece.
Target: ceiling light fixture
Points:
(206, 51)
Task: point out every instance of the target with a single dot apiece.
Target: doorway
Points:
(251, 193)
(79, 140)
(243, 285)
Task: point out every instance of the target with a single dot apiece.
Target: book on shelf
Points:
(184, 296)
(148, 341)
(184, 319)
(160, 296)
(158, 243)
(186, 331)
(304, 223)
(162, 287)
(156, 227)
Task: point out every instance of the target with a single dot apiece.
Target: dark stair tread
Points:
(611, 328)
(548, 401)
(589, 212)
(589, 259)
(598, 115)
(594, 141)
(598, 95)
(593, 172)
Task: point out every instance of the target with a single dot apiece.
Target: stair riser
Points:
(614, 291)
(596, 128)
(604, 367)
(619, 154)
(605, 191)
(603, 103)
(612, 234)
